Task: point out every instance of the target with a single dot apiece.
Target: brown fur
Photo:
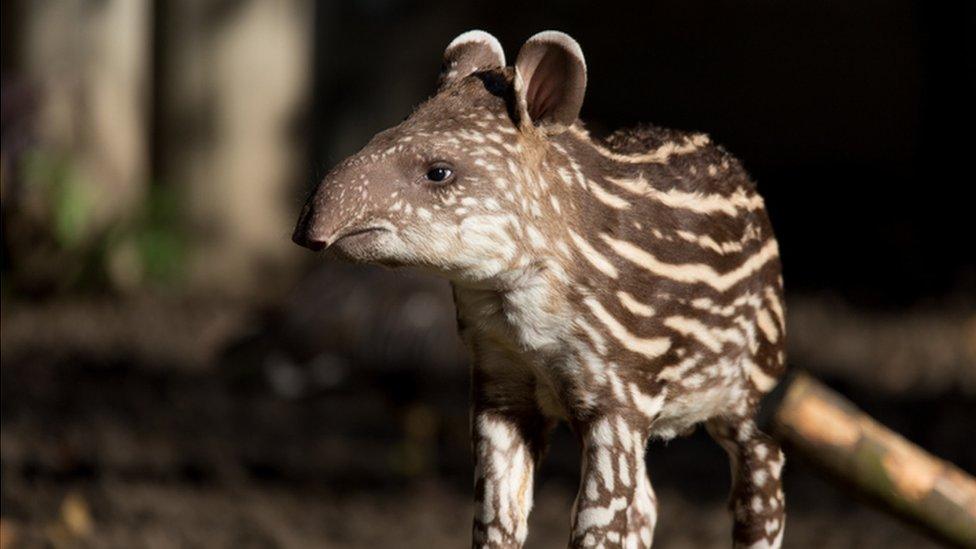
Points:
(630, 286)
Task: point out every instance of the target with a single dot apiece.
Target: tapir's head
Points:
(460, 186)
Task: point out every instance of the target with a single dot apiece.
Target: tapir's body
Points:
(630, 287)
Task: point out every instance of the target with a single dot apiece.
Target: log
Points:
(828, 431)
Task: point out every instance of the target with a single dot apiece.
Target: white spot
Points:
(757, 504)
(595, 517)
(602, 433)
(761, 451)
(592, 492)
(759, 477)
(535, 237)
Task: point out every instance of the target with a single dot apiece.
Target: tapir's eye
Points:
(439, 173)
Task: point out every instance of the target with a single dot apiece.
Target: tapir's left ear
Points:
(470, 52)
(550, 80)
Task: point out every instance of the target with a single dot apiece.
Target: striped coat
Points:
(630, 287)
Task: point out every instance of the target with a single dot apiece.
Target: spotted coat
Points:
(629, 286)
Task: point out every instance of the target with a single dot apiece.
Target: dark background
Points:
(851, 115)
(229, 389)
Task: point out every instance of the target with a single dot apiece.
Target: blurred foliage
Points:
(56, 243)
(56, 181)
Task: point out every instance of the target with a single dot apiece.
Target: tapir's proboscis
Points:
(629, 286)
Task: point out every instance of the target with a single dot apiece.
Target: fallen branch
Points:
(830, 432)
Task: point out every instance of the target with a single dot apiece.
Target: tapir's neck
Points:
(528, 313)
(573, 164)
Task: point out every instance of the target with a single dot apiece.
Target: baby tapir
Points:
(630, 287)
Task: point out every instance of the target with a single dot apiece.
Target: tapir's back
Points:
(675, 227)
(685, 198)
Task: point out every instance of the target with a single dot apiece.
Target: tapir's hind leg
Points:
(757, 499)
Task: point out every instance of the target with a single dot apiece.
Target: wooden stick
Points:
(829, 431)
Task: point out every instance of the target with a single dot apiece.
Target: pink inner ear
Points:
(546, 84)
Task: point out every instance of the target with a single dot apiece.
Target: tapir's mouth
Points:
(358, 245)
(347, 239)
(356, 234)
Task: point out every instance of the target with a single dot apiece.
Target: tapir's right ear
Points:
(550, 80)
(470, 52)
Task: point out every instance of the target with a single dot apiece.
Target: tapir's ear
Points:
(550, 80)
(470, 52)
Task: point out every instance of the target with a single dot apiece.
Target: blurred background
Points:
(175, 372)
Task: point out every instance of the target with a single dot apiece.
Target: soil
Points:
(340, 420)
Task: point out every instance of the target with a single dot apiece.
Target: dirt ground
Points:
(342, 422)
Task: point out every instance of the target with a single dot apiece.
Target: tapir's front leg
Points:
(616, 506)
(509, 437)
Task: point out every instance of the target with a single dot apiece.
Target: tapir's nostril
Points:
(302, 238)
(304, 233)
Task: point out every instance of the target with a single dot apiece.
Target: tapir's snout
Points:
(306, 234)
(344, 208)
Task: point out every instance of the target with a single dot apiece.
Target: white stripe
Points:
(599, 343)
(763, 381)
(595, 258)
(616, 384)
(608, 198)
(674, 373)
(696, 202)
(766, 325)
(693, 272)
(689, 326)
(710, 336)
(605, 466)
(650, 406)
(659, 155)
(705, 304)
(624, 469)
(649, 347)
(634, 306)
(777, 307)
(706, 241)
